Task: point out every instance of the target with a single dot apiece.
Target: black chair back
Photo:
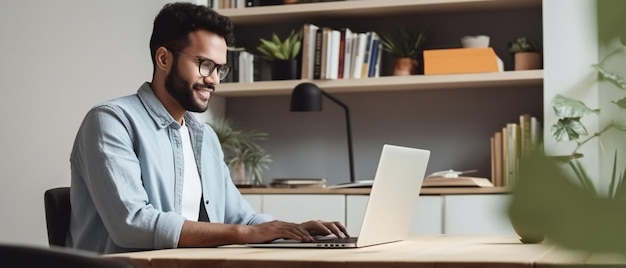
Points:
(58, 208)
(29, 256)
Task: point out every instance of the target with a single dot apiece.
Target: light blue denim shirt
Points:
(127, 177)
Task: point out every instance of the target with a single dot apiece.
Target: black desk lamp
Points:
(307, 97)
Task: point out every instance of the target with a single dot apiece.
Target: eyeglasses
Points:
(207, 66)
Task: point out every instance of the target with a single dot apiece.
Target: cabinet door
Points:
(304, 207)
(477, 214)
(427, 217)
(255, 200)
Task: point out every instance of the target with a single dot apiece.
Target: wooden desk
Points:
(421, 251)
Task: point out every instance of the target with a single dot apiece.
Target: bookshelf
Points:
(452, 115)
(245, 18)
(408, 108)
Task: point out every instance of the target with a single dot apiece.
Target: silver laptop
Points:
(391, 204)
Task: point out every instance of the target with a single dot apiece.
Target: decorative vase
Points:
(527, 61)
(284, 69)
(242, 174)
(405, 66)
(527, 235)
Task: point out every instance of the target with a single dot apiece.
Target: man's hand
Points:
(301, 232)
(325, 228)
(274, 230)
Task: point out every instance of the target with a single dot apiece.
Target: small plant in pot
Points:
(406, 47)
(526, 54)
(245, 158)
(283, 54)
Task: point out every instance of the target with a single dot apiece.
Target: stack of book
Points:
(299, 183)
(339, 53)
(246, 67)
(512, 143)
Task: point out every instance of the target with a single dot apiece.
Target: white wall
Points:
(611, 30)
(58, 59)
(570, 40)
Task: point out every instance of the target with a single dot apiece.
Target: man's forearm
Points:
(205, 234)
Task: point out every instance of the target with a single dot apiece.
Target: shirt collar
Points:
(158, 112)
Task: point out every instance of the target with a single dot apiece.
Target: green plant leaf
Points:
(620, 191)
(403, 42)
(621, 103)
(567, 129)
(240, 147)
(295, 50)
(279, 55)
(286, 48)
(568, 107)
(282, 50)
(265, 51)
(523, 44)
(275, 39)
(615, 79)
(582, 176)
(612, 185)
(269, 45)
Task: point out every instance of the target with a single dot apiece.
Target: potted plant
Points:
(282, 54)
(406, 47)
(245, 158)
(545, 174)
(526, 54)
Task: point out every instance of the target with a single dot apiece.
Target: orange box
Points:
(460, 60)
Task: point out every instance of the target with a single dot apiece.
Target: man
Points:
(147, 175)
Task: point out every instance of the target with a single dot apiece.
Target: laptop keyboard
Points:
(332, 239)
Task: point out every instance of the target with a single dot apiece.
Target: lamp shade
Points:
(306, 97)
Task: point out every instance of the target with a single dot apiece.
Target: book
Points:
(512, 151)
(232, 59)
(373, 56)
(324, 52)
(497, 178)
(505, 157)
(309, 32)
(367, 54)
(359, 54)
(246, 67)
(298, 183)
(524, 127)
(460, 60)
(317, 59)
(461, 181)
(346, 51)
(332, 63)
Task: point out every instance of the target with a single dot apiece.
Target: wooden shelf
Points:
(366, 191)
(353, 8)
(387, 83)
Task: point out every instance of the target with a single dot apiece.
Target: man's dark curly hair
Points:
(176, 20)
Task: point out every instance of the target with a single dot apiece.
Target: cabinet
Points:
(459, 211)
(305, 207)
(476, 214)
(427, 219)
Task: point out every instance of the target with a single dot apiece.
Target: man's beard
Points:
(183, 94)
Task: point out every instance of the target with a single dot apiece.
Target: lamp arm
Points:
(349, 131)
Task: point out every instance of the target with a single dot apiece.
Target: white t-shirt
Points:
(192, 188)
